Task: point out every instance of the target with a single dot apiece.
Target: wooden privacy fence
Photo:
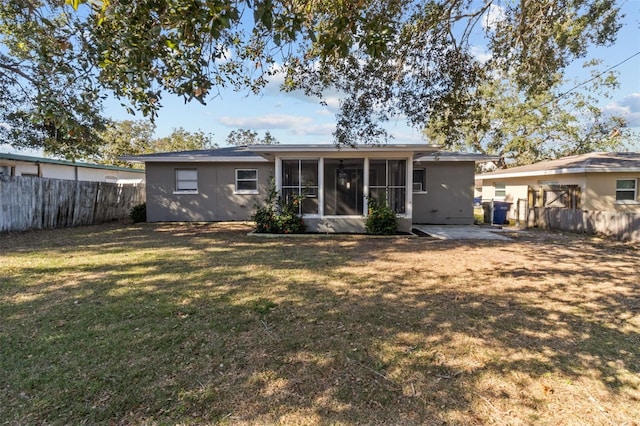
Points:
(621, 226)
(36, 203)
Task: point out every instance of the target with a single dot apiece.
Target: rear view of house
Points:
(421, 184)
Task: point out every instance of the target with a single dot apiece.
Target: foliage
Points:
(182, 140)
(138, 213)
(241, 137)
(389, 58)
(124, 138)
(381, 219)
(523, 129)
(277, 216)
(137, 138)
(50, 96)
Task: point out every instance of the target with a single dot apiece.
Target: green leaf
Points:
(74, 3)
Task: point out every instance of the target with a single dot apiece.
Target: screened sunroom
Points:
(335, 184)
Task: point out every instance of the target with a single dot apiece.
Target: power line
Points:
(597, 76)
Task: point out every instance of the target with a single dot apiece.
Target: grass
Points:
(198, 323)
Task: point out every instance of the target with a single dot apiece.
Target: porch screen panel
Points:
(397, 176)
(388, 180)
(343, 186)
(300, 177)
(378, 179)
(309, 186)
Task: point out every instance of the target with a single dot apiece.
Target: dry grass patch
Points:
(193, 324)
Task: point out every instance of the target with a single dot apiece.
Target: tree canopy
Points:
(130, 137)
(242, 137)
(50, 96)
(412, 59)
(522, 129)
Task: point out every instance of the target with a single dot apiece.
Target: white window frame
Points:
(634, 190)
(181, 180)
(503, 188)
(422, 188)
(246, 191)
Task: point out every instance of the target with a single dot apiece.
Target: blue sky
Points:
(295, 118)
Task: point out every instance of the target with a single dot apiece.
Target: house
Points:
(420, 183)
(595, 182)
(22, 165)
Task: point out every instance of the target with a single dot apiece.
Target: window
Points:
(419, 181)
(187, 180)
(300, 177)
(388, 178)
(500, 190)
(626, 189)
(246, 181)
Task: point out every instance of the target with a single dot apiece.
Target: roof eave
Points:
(459, 158)
(415, 149)
(552, 172)
(194, 159)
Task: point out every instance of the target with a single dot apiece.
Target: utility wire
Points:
(561, 95)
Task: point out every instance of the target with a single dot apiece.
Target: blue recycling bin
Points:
(500, 210)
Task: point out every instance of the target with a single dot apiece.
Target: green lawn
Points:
(200, 323)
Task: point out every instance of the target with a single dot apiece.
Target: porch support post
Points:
(278, 172)
(409, 190)
(321, 186)
(365, 188)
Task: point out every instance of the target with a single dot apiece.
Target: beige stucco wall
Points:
(518, 189)
(598, 190)
(216, 199)
(448, 199)
(601, 193)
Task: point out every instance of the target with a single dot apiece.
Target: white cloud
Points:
(314, 130)
(225, 54)
(481, 54)
(295, 124)
(493, 17)
(273, 88)
(628, 107)
(265, 122)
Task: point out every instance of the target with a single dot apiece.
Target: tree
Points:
(390, 58)
(124, 138)
(137, 138)
(523, 129)
(182, 140)
(49, 95)
(243, 137)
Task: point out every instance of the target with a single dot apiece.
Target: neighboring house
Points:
(22, 165)
(420, 183)
(596, 182)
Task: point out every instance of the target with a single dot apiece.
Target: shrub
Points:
(138, 213)
(381, 220)
(274, 216)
